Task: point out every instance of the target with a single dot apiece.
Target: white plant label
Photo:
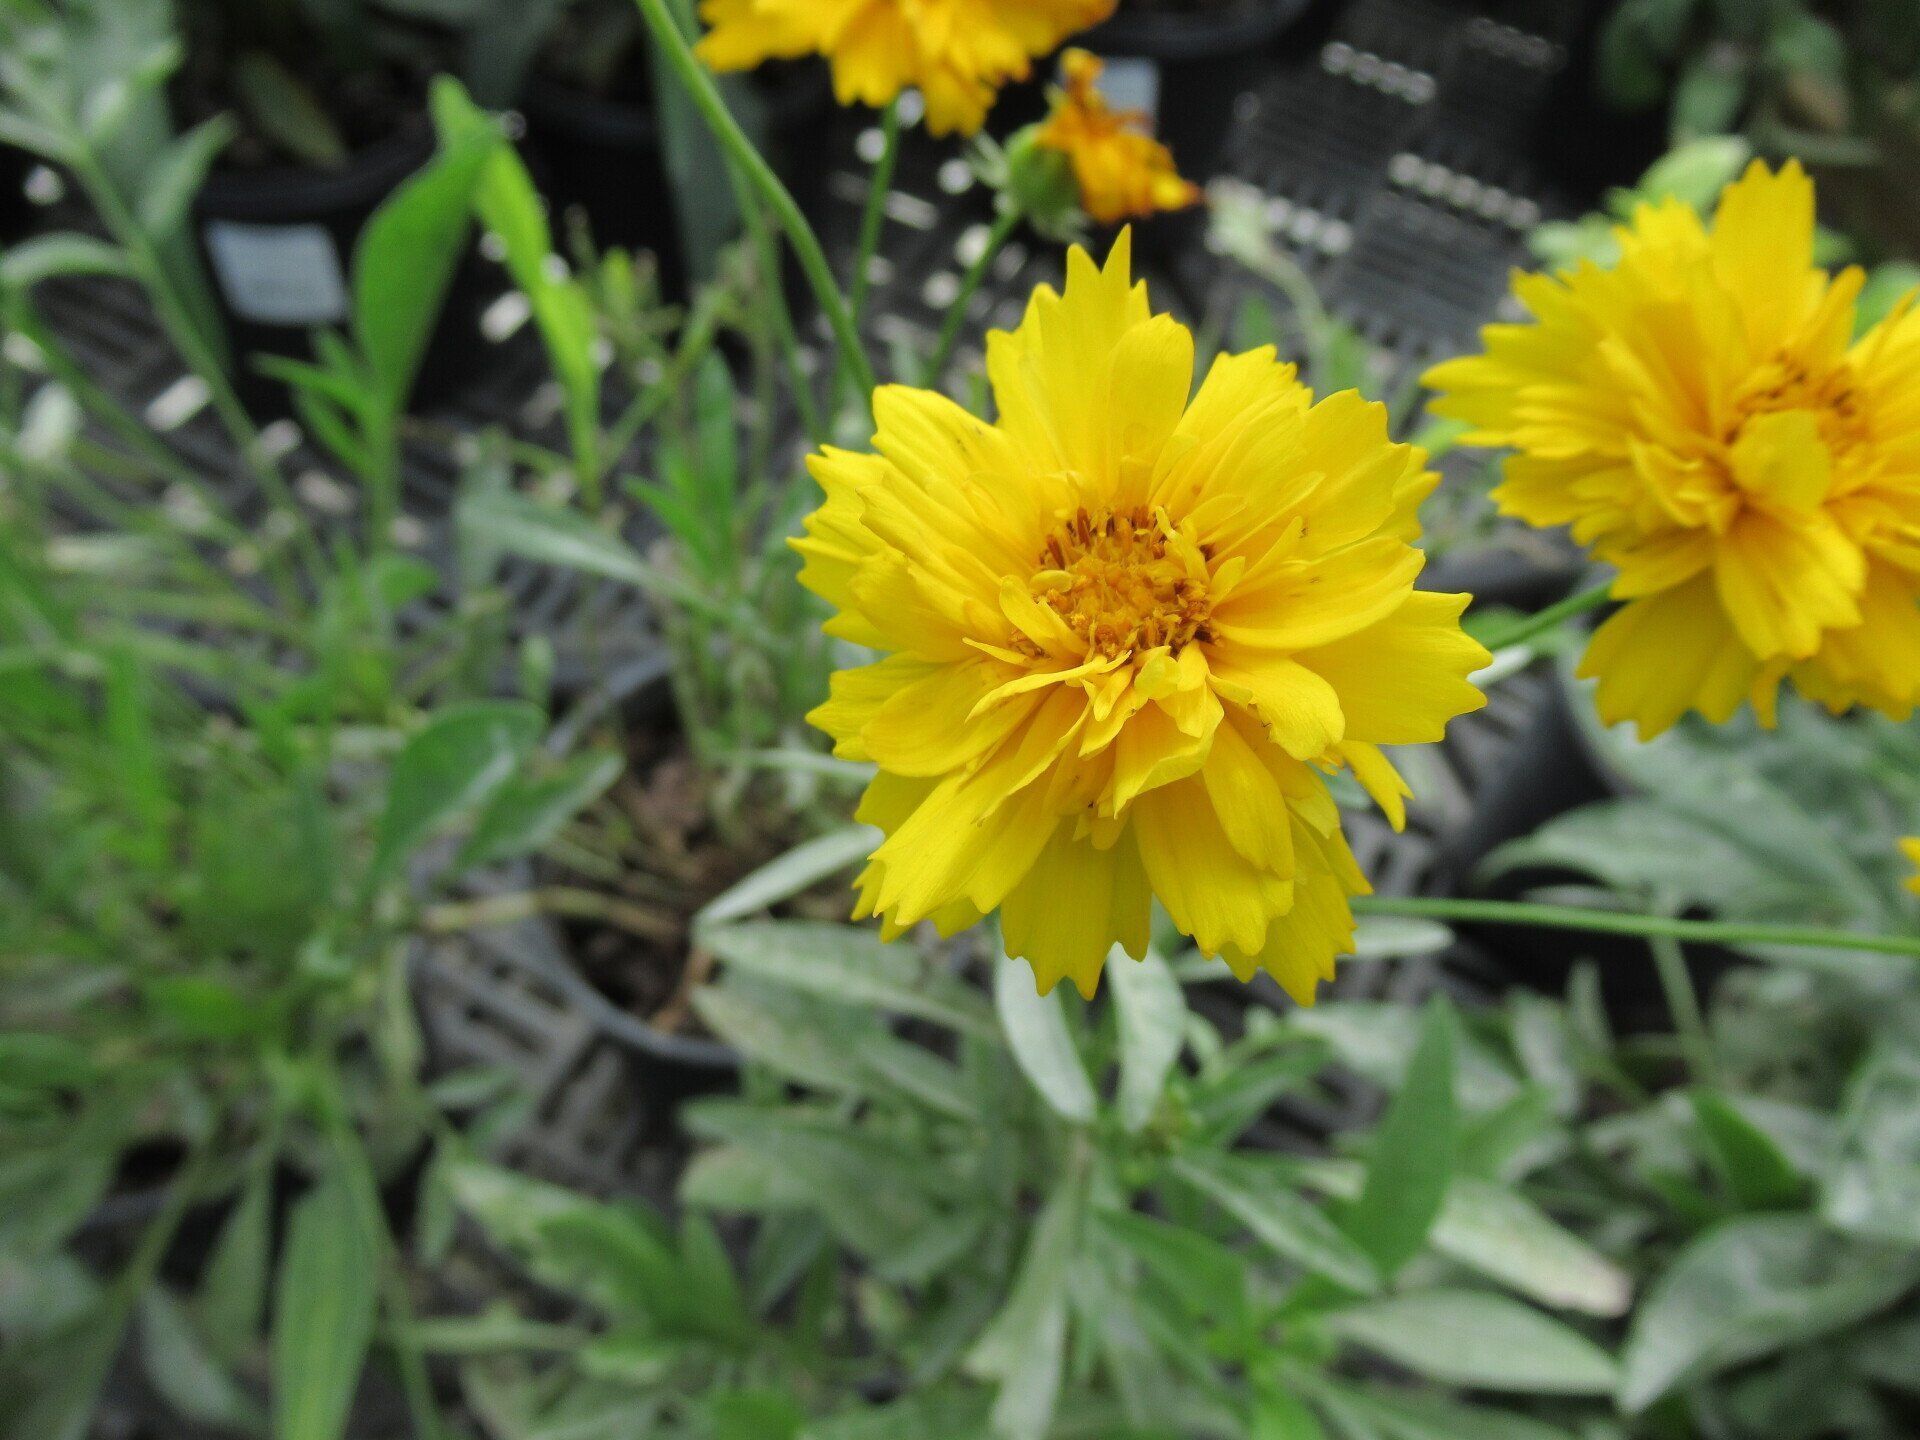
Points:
(1132, 84)
(279, 274)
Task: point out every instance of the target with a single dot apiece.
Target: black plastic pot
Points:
(671, 1068)
(16, 212)
(279, 245)
(606, 158)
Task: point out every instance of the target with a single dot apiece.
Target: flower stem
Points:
(1613, 922)
(712, 106)
(1524, 627)
(876, 212)
(1683, 1003)
(1003, 229)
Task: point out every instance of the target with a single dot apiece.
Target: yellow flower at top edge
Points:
(958, 53)
(1911, 849)
(1129, 631)
(1122, 171)
(1702, 417)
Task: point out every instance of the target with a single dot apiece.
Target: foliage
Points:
(1058, 1227)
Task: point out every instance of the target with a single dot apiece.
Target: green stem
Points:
(1524, 627)
(1613, 922)
(177, 320)
(876, 212)
(956, 320)
(767, 257)
(1683, 1002)
(712, 106)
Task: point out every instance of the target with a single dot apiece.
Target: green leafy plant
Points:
(1051, 1223)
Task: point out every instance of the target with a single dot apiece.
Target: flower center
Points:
(1125, 582)
(1785, 383)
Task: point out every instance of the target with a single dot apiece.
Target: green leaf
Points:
(1036, 1031)
(405, 261)
(1710, 94)
(1507, 1238)
(167, 192)
(323, 1313)
(511, 524)
(1279, 1218)
(286, 112)
(850, 966)
(1756, 1173)
(797, 1036)
(233, 1292)
(1209, 1278)
(1410, 1162)
(1393, 937)
(530, 810)
(878, 1195)
(1280, 1415)
(1153, 1024)
(31, 1061)
(1024, 1348)
(460, 759)
(1481, 1340)
(511, 207)
(1750, 1287)
(205, 1008)
(48, 257)
(183, 1370)
(1871, 1187)
(1399, 1415)
(801, 868)
(635, 1273)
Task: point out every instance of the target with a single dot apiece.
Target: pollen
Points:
(1125, 583)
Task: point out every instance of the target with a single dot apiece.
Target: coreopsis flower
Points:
(1911, 849)
(1129, 631)
(958, 53)
(1702, 417)
(1122, 171)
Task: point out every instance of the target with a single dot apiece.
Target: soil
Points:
(671, 861)
(370, 101)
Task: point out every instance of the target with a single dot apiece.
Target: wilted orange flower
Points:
(957, 53)
(1122, 171)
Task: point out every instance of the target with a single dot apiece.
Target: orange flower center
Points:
(1125, 582)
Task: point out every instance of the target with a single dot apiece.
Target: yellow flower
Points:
(1128, 635)
(1702, 418)
(1911, 849)
(957, 52)
(1122, 171)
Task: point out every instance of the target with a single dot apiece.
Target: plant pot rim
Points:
(650, 673)
(291, 191)
(1159, 36)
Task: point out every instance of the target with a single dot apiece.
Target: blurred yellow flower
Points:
(958, 53)
(1122, 171)
(1703, 419)
(1129, 633)
(1911, 849)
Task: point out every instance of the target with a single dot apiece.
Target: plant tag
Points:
(279, 274)
(1133, 84)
